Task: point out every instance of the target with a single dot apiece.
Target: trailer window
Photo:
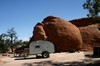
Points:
(37, 46)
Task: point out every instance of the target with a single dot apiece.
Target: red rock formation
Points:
(85, 21)
(39, 33)
(62, 33)
(66, 36)
(90, 31)
(90, 35)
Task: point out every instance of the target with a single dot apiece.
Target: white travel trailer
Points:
(43, 48)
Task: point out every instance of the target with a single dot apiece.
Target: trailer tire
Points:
(45, 54)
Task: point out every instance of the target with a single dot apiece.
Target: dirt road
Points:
(55, 59)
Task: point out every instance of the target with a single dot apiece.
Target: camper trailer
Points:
(40, 48)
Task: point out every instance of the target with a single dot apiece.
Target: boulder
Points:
(90, 31)
(90, 35)
(63, 34)
(39, 33)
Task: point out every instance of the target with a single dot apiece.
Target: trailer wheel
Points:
(45, 54)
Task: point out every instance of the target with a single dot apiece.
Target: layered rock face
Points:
(63, 34)
(90, 31)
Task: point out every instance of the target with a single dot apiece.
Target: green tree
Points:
(12, 36)
(4, 47)
(93, 6)
(9, 41)
(25, 43)
(20, 43)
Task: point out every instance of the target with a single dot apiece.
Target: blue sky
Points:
(24, 14)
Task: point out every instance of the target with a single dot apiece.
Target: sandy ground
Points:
(56, 59)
